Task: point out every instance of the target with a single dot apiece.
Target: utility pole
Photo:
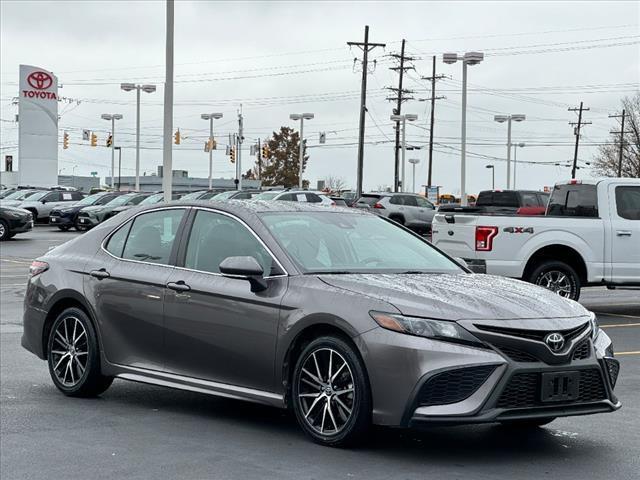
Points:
(239, 159)
(578, 125)
(433, 99)
(622, 117)
(259, 160)
(402, 95)
(366, 47)
(167, 146)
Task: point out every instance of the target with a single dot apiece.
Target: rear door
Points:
(624, 201)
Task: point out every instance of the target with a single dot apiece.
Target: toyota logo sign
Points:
(555, 341)
(39, 80)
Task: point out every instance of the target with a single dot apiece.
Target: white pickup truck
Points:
(590, 235)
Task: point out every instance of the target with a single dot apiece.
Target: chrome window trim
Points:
(188, 208)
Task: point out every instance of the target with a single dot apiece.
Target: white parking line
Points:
(619, 325)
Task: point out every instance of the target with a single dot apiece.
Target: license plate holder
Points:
(560, 387)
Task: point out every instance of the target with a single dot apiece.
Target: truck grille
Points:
(454, 385)
(534, 334)
(523, 390)
(518, 355)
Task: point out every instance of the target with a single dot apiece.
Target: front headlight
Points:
(65, 210)
(424, 327)
(595, 328)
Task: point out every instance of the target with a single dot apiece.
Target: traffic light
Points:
(94, 140)
(177, 137)
(212, 144)
(65, 140)
(109, 140)
(265, 151)
(232, 155)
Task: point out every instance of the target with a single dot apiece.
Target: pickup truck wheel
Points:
(558, 277)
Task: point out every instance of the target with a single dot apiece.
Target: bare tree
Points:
(334, 183)
(607, 159)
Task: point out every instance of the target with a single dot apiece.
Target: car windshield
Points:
(224, 195)
(91, 199)
(19, 195)
(36, 196)
(120, 200)
(266, 196)
(155, 198)
(338, 243)
(193, 195)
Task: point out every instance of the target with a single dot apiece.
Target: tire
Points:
(75, 380)
(5, 233)
(558, 277)
(64, 228)
(336, 413)
(528, 423)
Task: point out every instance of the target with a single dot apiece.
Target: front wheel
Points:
(331, 395)
(558, 277)
(5, 233)
(73, 356)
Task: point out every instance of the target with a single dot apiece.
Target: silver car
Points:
(40, 204)
(408, 209)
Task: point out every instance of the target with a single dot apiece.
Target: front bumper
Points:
(87, 221)
(60, 220)
(21, 225)
(417, 381)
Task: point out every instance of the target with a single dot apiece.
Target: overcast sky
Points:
(278, 58)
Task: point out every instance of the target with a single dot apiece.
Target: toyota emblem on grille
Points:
(555, 341)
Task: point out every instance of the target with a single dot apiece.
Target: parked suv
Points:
(40, 204)
(65, 217)
(408, 209)
(91, 216)
(306, 196)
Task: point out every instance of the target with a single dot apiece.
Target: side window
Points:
(423, 202)
(396, 200)
(290, 197)
(105, 199)
(410, 201)
(66, 196)
(136, 200)
(152, 235)
(628, 202)
(529, 200)
(116, 242)
(76, 196)
(215, 237)
(543, 198)
(52, 197)
(313, 198)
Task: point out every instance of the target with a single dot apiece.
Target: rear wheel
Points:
(73, 356)
(528, 423)
(558, 277)
(4, 231)
(331, 396)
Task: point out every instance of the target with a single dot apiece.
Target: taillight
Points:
(484, 238)
(333, 204)
(37, 268)
(378, 205)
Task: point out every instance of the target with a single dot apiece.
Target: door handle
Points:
(623, 233)
(178, 286)
(99, 274)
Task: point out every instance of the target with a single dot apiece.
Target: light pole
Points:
(515, 160)
(414, 162)
(128, 87)
(302, 117)
(518, 117)
(403, 119)
(112, 117)
(493, 176)
(469, 58)
(211, 117)
(119, 165)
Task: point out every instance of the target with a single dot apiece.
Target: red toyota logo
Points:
(39, 80)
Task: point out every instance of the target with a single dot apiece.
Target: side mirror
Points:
(43, 201)
(247, 268)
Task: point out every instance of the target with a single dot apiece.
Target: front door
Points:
(126, 286)
(217, 329)
(624, 203)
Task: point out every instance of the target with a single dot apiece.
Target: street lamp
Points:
(515, 160)
(411, 117)
(211, 117)
(302, 117)
(469, 58)
(128, 87)
(414, 162)
(493, 176)
(518, 117)
(112, 117)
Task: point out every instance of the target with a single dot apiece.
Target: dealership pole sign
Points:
(38, 126)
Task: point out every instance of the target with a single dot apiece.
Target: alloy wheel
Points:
(3, 231)
(556, 281)
(326, 391)
(70, 351)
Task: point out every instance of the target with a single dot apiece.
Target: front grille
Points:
(582, 351)
(613, 367)
(523, 390)
(534, 334)
(518, 355)
(454, 385)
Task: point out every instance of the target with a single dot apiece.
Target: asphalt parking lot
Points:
(138, 431)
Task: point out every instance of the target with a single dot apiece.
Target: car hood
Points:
(460, 296)
(10, 203)
(122, 208)
(15, 210)
(93, 208)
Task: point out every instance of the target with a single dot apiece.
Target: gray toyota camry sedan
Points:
(342, 316)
